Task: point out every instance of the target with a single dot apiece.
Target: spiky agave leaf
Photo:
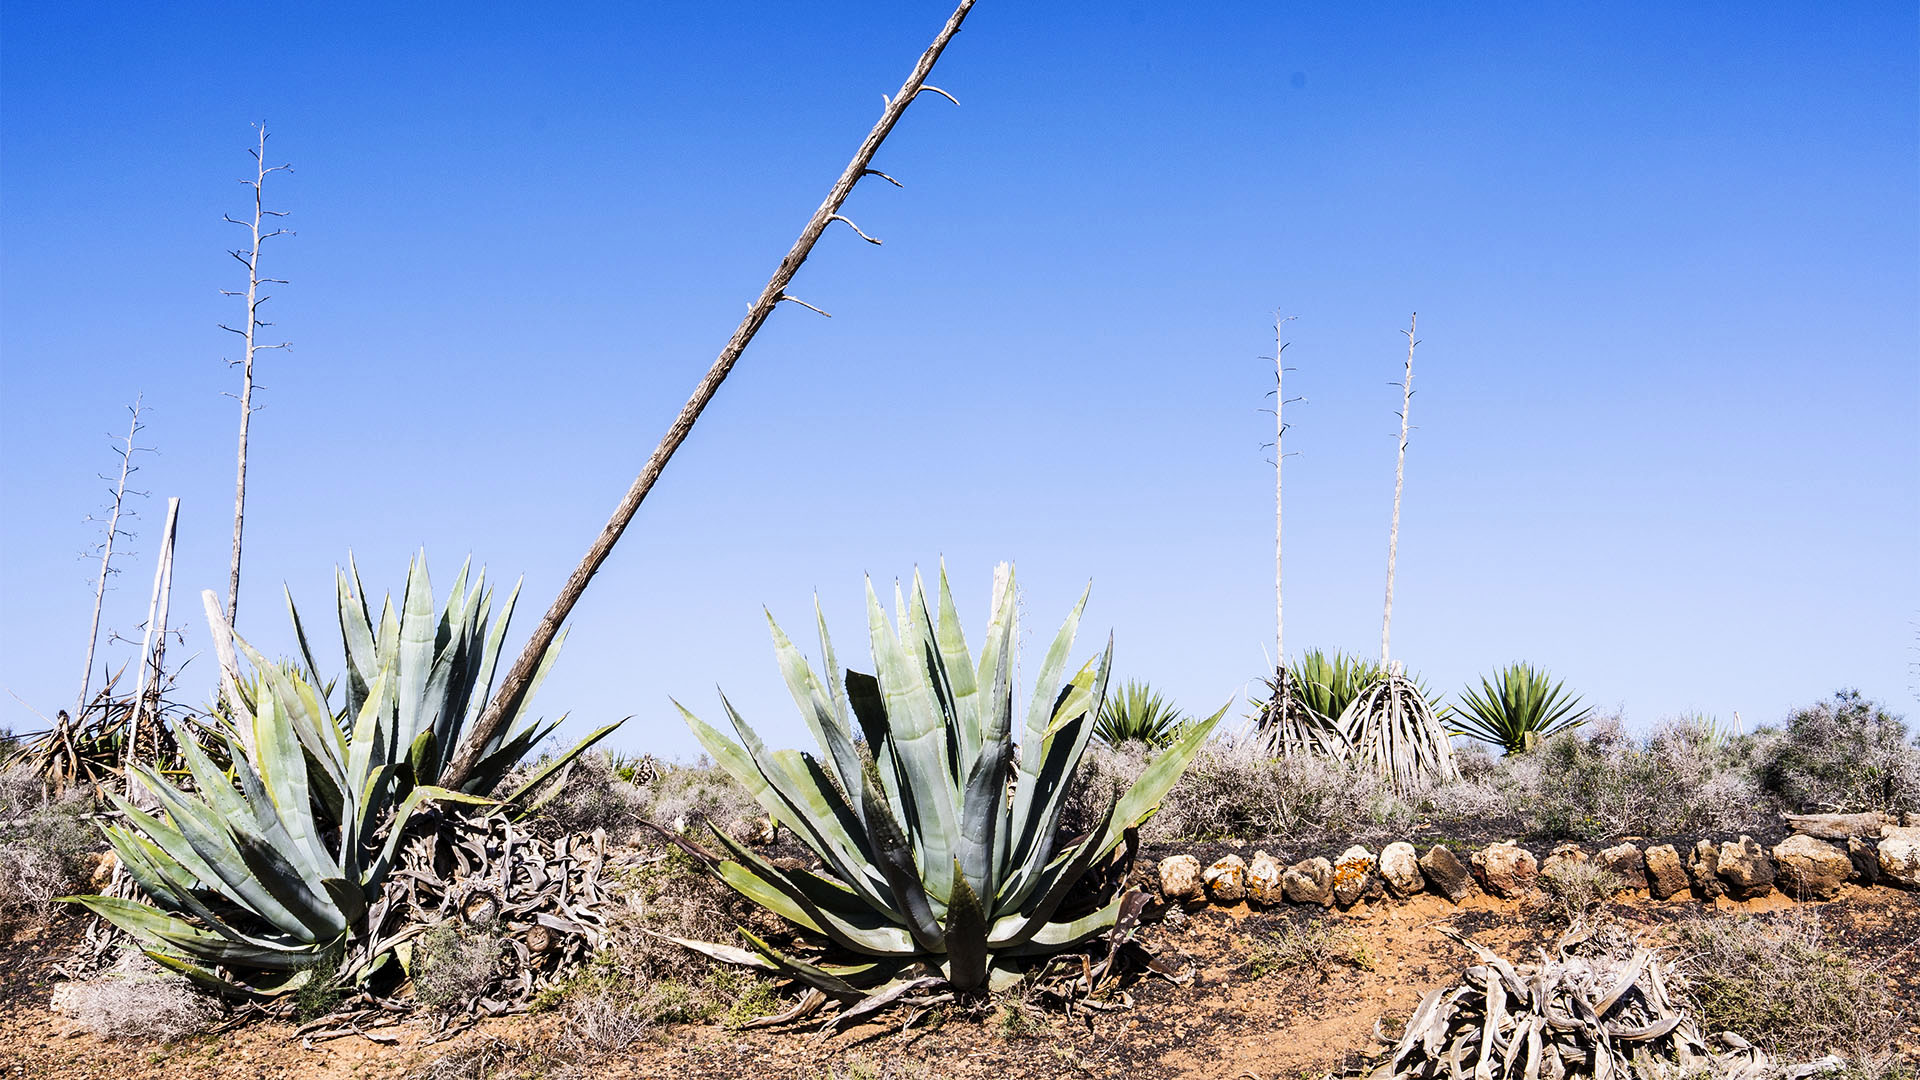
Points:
(928, 858)
(1517, 708)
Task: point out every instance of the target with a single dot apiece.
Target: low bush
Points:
(1774, 982)
(1605, 784)
(1845, 754)
(45, 844)
(452, 968)
(136, 1000)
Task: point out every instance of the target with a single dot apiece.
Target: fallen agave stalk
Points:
(1601, 1016)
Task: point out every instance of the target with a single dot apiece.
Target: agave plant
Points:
(264, 876)
(939, 836)
(1517, 708)
(1138, 714)
(1395, 733)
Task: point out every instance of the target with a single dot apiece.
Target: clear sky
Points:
(1666, 260)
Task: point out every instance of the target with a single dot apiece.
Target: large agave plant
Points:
(1517, 708)
(939, 834)
(1395, 733)
(261, 876)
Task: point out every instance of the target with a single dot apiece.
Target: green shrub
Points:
(1605, 784)
(45, 844)
(1846, 754)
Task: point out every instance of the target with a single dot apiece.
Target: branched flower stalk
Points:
(249, 257)
(127, 448)
(1399, 483)
(520, 676)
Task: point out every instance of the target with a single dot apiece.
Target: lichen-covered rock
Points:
(1811, 869)
(1865, 856)
(1446, 873)
(1505, 870)
(1745, 868)
(1352, 875)
(1309, 881)
(1180, 879)
(1704, 868)
(1561, 857)
(1625, 862)
(1666, 874)
(1900, 855)
(1226, 880)
(1400, 869)
(1264, 876)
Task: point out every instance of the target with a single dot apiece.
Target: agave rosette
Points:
(264, 875)
(939, 842)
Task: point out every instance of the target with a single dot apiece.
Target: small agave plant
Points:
(265, 875)
(939, 830)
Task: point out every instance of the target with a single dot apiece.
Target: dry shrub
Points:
(1599, 783)
(45, 841)
(1579, 886)
(1236, 788)
(452, 968)
(1845, 754)
(136, 1000)
(1774, 981)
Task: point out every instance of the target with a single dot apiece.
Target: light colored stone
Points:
(1226, 880)
(1309, 881)
(1666, 874)
(1400, 869)
(1811, 869)
(1900, 855)
(1264, 876)
(1561, 857)
(1505, 869)
(1745, 868)
(1446, 873)
(1180, 879)
(1352, 874)
(1625, 862)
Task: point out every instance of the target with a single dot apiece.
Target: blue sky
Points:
(1667, 264)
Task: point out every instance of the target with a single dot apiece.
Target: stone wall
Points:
(1812, 864)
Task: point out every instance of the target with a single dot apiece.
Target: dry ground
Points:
(1243, 1014)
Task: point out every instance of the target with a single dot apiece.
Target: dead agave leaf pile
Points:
(545, 901)
(1605, 1016)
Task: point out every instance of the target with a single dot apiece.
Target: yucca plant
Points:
(266, 875)
(1138, 713)
(1395, 733)
(1517, 708)
(942, 860)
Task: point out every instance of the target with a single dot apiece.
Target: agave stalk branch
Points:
(1399, 483)
(521, 674)
(120, 493)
